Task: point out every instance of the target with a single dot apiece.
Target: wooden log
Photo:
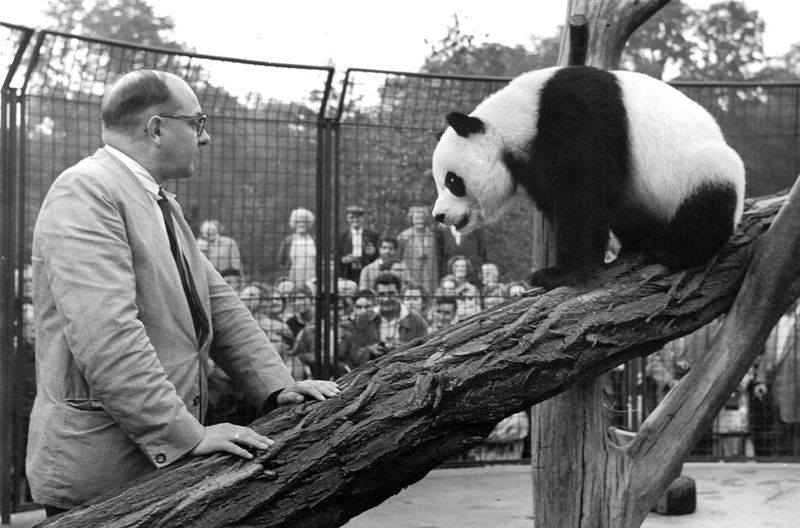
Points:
(402, 415)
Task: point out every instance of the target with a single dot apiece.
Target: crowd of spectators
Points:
(415, 281)
(394, 288)
(391, 289)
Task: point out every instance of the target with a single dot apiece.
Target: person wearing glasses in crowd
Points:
(127, 308)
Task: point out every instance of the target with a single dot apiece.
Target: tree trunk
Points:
(402, 415)
(573, 470)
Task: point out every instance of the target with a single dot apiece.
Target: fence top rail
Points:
(431, 75)
(465, 77)
(169, 51)
(43, 36)
(735, 84)
(11, 25)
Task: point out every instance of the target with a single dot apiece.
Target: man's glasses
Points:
(199, 121)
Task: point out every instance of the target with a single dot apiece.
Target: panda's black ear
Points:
(465, 125)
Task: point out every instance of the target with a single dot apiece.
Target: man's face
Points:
(276, 305)
(388, 297)
(303, 304)
(443, 314)
(460, 269)
(210, 232)
(251, 297)
(179, 147)
(413, 299)
(354, 219)
(397, 268)
(387, 250)
(448, 287)
(362, 305)
(488, 275)
(418, 219)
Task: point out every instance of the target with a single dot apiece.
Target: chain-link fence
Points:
(304, 181)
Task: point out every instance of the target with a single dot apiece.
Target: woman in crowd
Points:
(298, 252)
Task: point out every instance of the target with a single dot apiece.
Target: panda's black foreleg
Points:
(582, 236)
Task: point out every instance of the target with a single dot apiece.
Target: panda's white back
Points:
(676, 144)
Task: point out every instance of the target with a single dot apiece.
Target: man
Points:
(127, 308)
(387, 254)
(377, 333)
(304, 310)
(357, 245)
(444, 313)
(349, 354)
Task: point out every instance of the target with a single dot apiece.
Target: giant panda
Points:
(596, 151)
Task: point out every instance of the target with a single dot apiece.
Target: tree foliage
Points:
(131, 21)
(727, 43)
(661, 41)
(458, 54)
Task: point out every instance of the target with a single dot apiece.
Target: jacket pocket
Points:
(84, 404)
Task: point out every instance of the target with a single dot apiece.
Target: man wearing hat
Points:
(357, 246)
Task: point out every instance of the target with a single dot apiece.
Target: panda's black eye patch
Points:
(455, 184)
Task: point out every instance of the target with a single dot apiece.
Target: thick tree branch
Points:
(402, 415)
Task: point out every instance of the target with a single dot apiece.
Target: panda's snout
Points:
(440, 218)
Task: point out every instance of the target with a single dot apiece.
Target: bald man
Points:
(126, 309)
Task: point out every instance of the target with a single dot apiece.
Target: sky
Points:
(373, 33)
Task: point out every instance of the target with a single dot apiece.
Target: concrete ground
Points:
(733, 495)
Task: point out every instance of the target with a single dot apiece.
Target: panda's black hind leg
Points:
(700, 228)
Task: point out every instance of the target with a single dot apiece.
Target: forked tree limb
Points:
(402, 415)
(772, 283)
(618, 20)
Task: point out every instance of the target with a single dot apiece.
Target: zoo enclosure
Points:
(283, 136)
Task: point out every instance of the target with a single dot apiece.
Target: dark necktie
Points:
(199, 318)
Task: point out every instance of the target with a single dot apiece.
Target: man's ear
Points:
(153, 129)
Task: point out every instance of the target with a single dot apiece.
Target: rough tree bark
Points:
(569, 455)
(400, 416)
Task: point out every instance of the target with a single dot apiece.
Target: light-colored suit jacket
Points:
(121, 378)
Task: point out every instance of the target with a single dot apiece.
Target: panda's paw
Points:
(557, 276)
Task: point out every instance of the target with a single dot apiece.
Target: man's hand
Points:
(303, 390)
(231, 438)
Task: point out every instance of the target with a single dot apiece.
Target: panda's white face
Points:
(471, 179)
